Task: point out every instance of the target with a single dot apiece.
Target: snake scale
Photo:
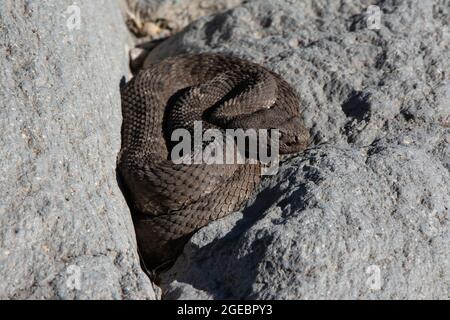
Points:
(171, 201)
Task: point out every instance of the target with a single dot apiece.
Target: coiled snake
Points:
(171, 201)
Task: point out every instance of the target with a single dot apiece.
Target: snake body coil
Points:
(171, 201)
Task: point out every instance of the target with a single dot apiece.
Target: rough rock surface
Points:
(364, 213)
(161, 18)
(65, 229)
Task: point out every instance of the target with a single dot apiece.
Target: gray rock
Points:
(161, 18)
(330, 225)
(364, 213)
(66, 231)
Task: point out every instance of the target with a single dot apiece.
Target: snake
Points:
(169, 200)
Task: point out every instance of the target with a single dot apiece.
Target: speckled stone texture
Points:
(155, 19)
(65, 229)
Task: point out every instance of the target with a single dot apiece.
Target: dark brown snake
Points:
(171, 201)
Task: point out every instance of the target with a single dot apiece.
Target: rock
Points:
(363, 213)
(66, 231)
(161, 18)
(336, 223)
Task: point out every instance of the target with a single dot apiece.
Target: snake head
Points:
(294, 137)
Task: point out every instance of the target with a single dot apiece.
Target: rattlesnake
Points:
(171, 201)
